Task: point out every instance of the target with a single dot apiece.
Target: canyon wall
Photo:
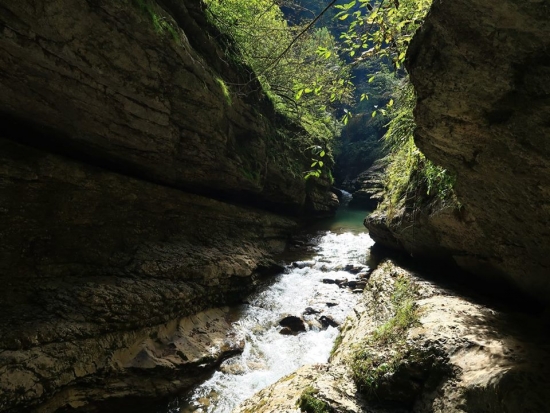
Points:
(144, 178)
(480, 69)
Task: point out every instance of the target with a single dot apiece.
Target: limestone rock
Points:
(103, 85)
(334, 386)
(151, 362)
(458, 356)
(481, 75)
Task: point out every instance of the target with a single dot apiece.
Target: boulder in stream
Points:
(293, 324)
(303, 264)
(328, 321)
(353, 268)
(311, 310)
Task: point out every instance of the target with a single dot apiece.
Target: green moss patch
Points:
(162, 24)
(309, 403)
(386, 350)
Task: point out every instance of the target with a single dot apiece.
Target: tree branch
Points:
(297, 37)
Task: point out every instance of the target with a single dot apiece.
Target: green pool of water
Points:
(345, 220)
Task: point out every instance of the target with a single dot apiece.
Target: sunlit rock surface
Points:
(462, 356)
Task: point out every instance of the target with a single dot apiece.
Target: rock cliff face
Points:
(137, 166)
(481, 70)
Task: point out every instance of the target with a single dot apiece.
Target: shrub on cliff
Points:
(383, 30)
(298, 69)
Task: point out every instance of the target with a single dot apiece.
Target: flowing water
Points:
(268, 355)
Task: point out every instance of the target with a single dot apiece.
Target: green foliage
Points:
(305, 80)
(336, 344)
(162, 24)
(318, 162)
(383, 29)
(309, 403)
(300, 72)
(411, 180)
(382, 353)
(225, 90)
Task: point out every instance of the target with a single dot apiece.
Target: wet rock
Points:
(357, 291)
(353, 268)
(337, 191)
(341, 282)
(314, 325)
(303, 264)
(310, 311)
(361, 285)
(293, 323)
(286, 331)
(351, 284)
(270, 268)
(365, 273)
(328, 281)
(331, 304)
(328, 321)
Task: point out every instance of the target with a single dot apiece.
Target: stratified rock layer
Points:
(481, 70)
(112, 89)
(89, 256)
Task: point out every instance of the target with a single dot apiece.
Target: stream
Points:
(334, 250)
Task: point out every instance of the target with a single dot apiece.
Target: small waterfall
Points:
(345, 198)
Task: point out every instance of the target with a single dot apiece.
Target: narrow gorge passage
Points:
(306, 289)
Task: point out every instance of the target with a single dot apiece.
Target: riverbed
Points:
(321, 284)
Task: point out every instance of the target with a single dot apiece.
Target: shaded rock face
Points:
(110, 89)
(133, 192)
(481, 70)
(88, 256)
(458, 356)
(366, 188)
